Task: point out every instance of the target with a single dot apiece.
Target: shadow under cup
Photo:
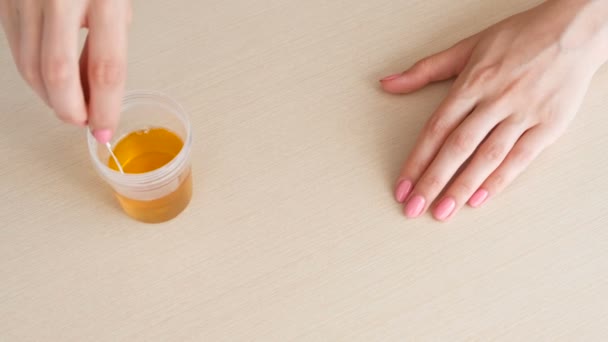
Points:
(160, 194)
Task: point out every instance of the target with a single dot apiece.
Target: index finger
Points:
(59, 62)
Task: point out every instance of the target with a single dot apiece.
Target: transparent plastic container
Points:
(160, 194)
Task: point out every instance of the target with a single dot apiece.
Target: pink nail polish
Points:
(415, 206)
(478, 199)
(445, 209)
(403, 190)
(391, 77)
(103, 135)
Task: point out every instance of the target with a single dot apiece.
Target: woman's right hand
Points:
(43, 37)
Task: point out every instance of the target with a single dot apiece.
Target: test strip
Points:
(114, 157)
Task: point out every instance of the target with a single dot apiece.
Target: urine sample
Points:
(152, 145)
(147, 150)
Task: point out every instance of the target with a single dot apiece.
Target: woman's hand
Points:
(43, 36)
(520, 83)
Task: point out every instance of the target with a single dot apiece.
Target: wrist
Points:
(588, 28)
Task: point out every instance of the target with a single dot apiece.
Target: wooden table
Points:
(293, 233)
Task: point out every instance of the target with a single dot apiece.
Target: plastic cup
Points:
(161, 194)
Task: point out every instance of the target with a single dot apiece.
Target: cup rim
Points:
(161, 174)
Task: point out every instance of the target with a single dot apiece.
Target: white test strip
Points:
(114, 157)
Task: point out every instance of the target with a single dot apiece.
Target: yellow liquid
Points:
(144, 151)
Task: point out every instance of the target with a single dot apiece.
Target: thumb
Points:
(438, 67)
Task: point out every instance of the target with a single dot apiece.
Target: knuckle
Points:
(522, 154)
(57, 71)
(425, 64)
(478, 78)
(493, 152)
(437, 127)
(461, 142)
(463, 96)
(517, 120)
(106, 72)
(551, 117)
(510, 91)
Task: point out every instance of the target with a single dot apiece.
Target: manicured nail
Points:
(391, 77)
(478, 198)
(103, 135)
(415, 206)
(445, 209)
(403, 189)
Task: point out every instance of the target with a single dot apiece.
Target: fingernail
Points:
(445, 209)
(391, 77)
(403, 189)
(415, 206)
(478, 198)
(103, 135)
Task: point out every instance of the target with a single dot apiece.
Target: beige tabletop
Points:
(293, 233)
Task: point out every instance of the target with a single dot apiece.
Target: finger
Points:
(450, 113)
(527, 148)
(107, 55)
(459, 146)
(486, 159)
(60, 61)
(438, 67)
(8, 19)
(29, 44)
(84, 71)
